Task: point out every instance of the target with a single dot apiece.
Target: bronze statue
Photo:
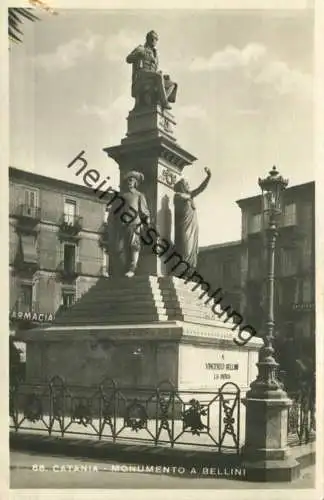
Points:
(149, 85)
(125, 222)
(185, 219)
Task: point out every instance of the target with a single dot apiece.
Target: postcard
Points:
(163, 246)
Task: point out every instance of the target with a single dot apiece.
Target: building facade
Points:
(239, 267)
(220, 265)
(294, 266)
(56, 247)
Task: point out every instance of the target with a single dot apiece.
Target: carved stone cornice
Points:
(156, 147)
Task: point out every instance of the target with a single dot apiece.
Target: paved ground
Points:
(31, 470)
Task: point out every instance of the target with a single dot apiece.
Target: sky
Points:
(244, 100)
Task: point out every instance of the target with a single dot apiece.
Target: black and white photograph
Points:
(162, 235)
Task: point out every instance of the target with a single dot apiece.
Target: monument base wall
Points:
(190, 356)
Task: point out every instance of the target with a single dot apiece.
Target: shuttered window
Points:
(28, 249)
(69, 211)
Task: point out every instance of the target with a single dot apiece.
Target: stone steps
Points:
(110, 319)
(142, 299)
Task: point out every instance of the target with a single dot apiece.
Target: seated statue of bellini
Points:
(149, 85)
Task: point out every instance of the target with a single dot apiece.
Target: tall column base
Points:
(266, 454)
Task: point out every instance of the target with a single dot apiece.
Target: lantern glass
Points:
(272, 198)
(267, 200)
(272, 188)
(279, 196)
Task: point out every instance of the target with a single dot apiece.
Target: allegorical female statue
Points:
(124, 224)
(185, 219)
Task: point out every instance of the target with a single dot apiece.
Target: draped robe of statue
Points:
(186, 222)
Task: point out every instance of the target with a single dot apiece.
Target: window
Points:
(31, 198)
(307, 291)
(289, 291)
(289, 215)
(254, 223)
(30, 207)
(28, 248)
(69, 257)
(68, 298)
(254, 267)
(26, 297)
(69, 211)
(288, 261)
(307, 252)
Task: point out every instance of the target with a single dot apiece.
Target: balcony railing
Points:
(27, 216)
(25, 264)
(303, 306)
(70, 224)
(67, 271)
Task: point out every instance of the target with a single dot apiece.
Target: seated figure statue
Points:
(149, 85)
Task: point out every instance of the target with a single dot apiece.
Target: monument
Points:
(143, 324)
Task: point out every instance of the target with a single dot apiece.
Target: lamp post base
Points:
(272, 470)
(266, 454)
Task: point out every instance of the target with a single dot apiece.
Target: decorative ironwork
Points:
(69, 272)
(301, 416)
(33, 409)
(70, 225)
(158, 415)
(228, 419)
(164, 405)
(266, 384)
(82, 413)
(136, 417)
(27, 219)
(58, 408)
(107, 413)
(192, 417)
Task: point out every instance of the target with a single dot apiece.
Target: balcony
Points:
(25, 268)
(303, 306)
(69, 272)
(291, 234)
(70, 225)
(27, 217)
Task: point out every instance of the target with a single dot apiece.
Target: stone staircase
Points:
(142, 299)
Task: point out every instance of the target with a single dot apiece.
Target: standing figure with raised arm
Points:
(185, 219)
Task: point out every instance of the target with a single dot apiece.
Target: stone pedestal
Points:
(266, 453)
(150, 147)
(140, 332)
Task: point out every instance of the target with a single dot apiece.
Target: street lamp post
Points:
(267, 385)
(265, 453)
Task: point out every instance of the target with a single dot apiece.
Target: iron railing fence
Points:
(301, 416)
(161, 415)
